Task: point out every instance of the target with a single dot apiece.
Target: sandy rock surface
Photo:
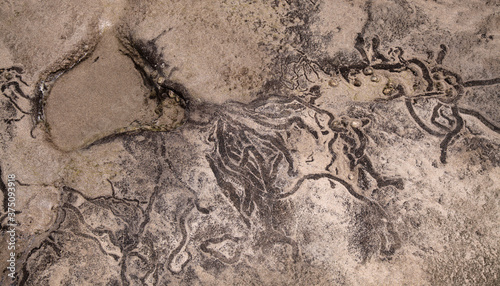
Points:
(250, 142)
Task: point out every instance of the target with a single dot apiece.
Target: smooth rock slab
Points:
(101, 96)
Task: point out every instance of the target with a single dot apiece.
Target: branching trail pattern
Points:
(251, 161)
(431, 81)
(262, 154)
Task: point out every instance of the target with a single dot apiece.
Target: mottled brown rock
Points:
(323, 143)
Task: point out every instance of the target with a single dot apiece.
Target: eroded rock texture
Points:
(250, 142)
